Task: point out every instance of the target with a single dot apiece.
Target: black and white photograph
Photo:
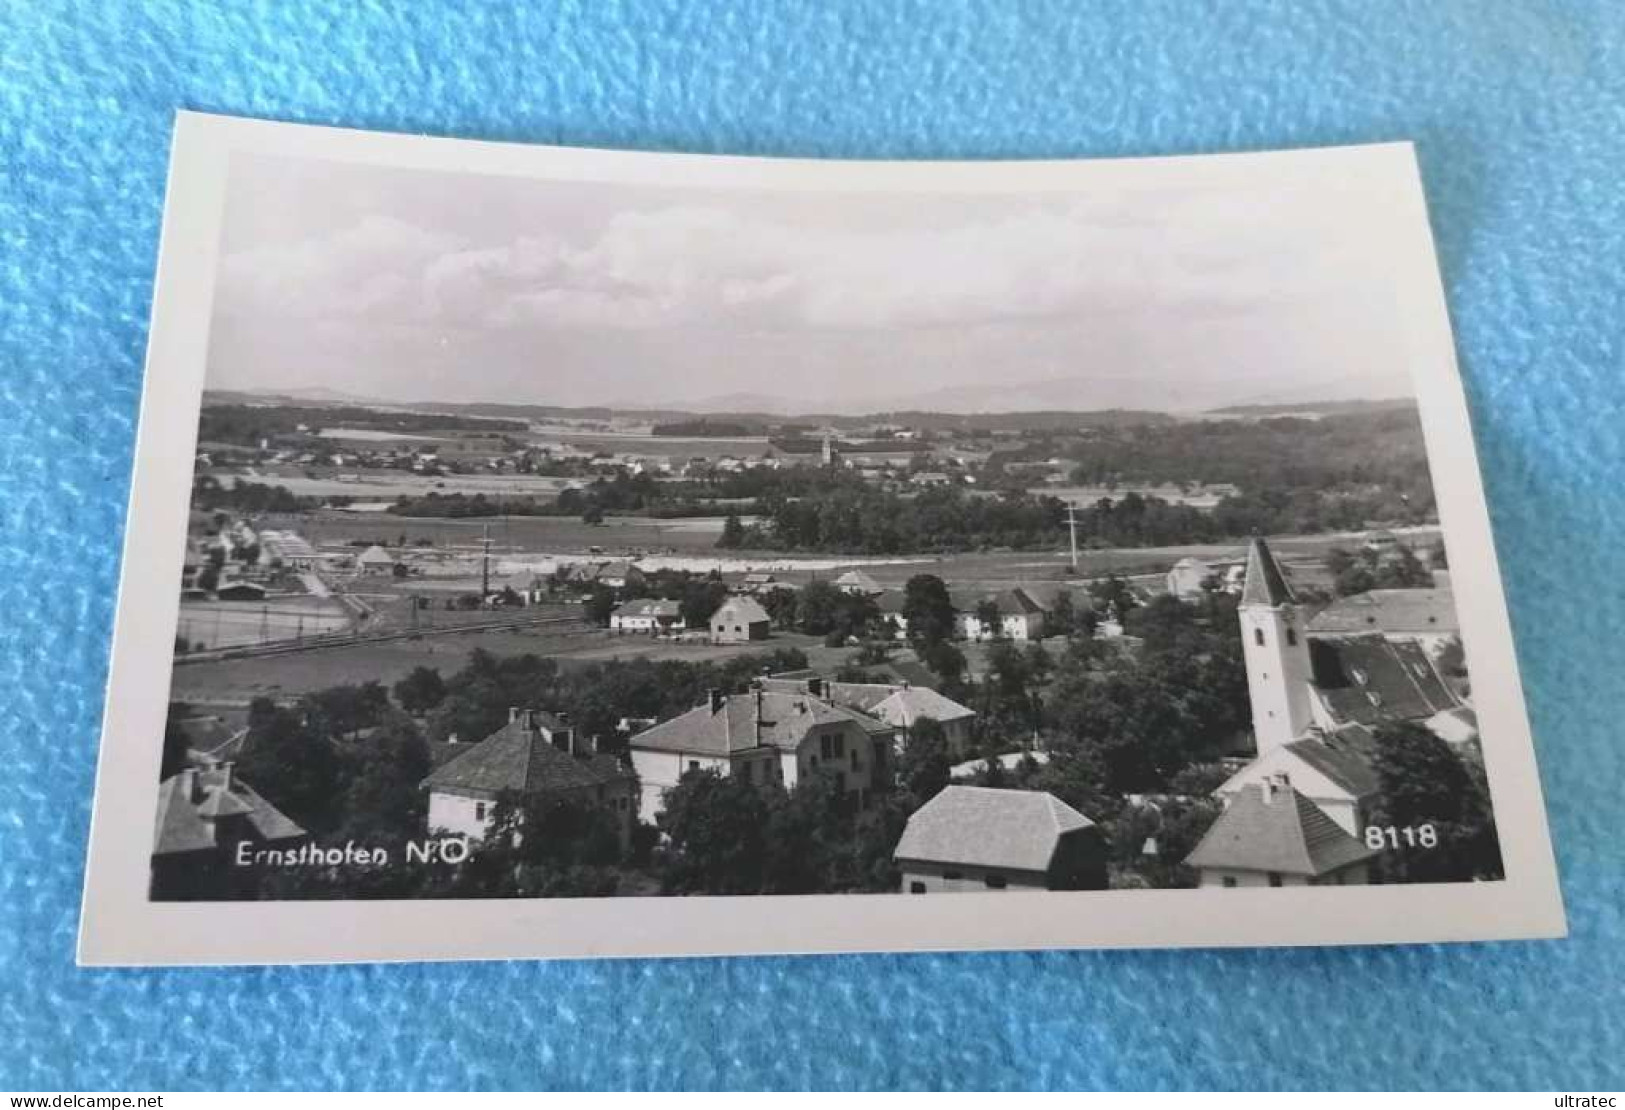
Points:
(571, 527)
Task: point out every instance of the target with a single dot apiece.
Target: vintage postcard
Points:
(848, 556)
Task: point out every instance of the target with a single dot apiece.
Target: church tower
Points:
(1276, 651)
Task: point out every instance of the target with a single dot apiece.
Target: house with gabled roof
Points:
(204, 814)
(536, 754)
(646, 615)
(375, 560)
(739, 620)
(859, 583)
(977, 838)
(898, 704)
(763, 736)
(1270, 834)
(1020, 617)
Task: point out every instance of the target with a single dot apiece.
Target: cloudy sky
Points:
(408, 285)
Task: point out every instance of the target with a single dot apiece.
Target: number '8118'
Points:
(1392, 836)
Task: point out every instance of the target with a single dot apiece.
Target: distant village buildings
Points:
(646, 615)
(739, 620)
(1019, 617)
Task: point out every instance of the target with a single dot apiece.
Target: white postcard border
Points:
(119, 926)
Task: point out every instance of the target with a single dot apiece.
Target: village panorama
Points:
(503, 650)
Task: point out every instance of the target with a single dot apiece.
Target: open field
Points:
(218, 624)
(1196, 497)
(386, 485)
(238, 681)
(637, 443)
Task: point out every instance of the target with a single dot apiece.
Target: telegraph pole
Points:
(1072, 530)
(485, 562)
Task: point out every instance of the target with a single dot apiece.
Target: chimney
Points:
(1274, 785)
(228, 777)
(451, 738)
(188, 784)
(717, 701)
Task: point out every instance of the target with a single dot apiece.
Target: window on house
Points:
(1292, 637)
(1229, 880)
(856, 765)
(916, 888)
(479, 811)
(1275, 878)
(840, 781)
(995, 882)
(693, 765)
(1258, 636)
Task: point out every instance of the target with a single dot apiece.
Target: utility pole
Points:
(485, 562)
(1072, 530)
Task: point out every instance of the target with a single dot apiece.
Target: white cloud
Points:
(686, 265)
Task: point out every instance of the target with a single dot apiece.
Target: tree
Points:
(176, 743)
(383, 779)
(1422, 782)
(733, 532)
(923, 767)
(717, 834)
(593, 514)
(291, 765)
(987, 615)
(1063, 615)
(421, 690)
(598, 606)
(929, 610)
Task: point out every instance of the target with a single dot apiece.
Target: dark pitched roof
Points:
(987, 827)
(1392, 611)
(767, 718)
(891, 602)
(1368, 679)
(1265, 584)
(645, 607)
(522, 758)
(1016, 602)
(191, 804)
(1345, 757)
(1274, 828)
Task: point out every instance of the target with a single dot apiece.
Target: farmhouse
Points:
(1271, 835)
(203, 815)
(1185, 580)
(375, 560)
(975, 838)
(646, 615)
(535, 754)
(764, 736)
(1019, 618)
(858, 583)
(240, 591)
(739, 620)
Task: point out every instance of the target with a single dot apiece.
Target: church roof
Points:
(1265, 584)
(1369, 679)
(1396, 612)
(1271, 827)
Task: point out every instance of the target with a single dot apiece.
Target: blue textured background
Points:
(1518, 110)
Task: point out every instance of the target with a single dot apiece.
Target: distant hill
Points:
(1314, 408)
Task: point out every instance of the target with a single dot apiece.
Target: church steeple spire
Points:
(1264, 584)
(1279, 674)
